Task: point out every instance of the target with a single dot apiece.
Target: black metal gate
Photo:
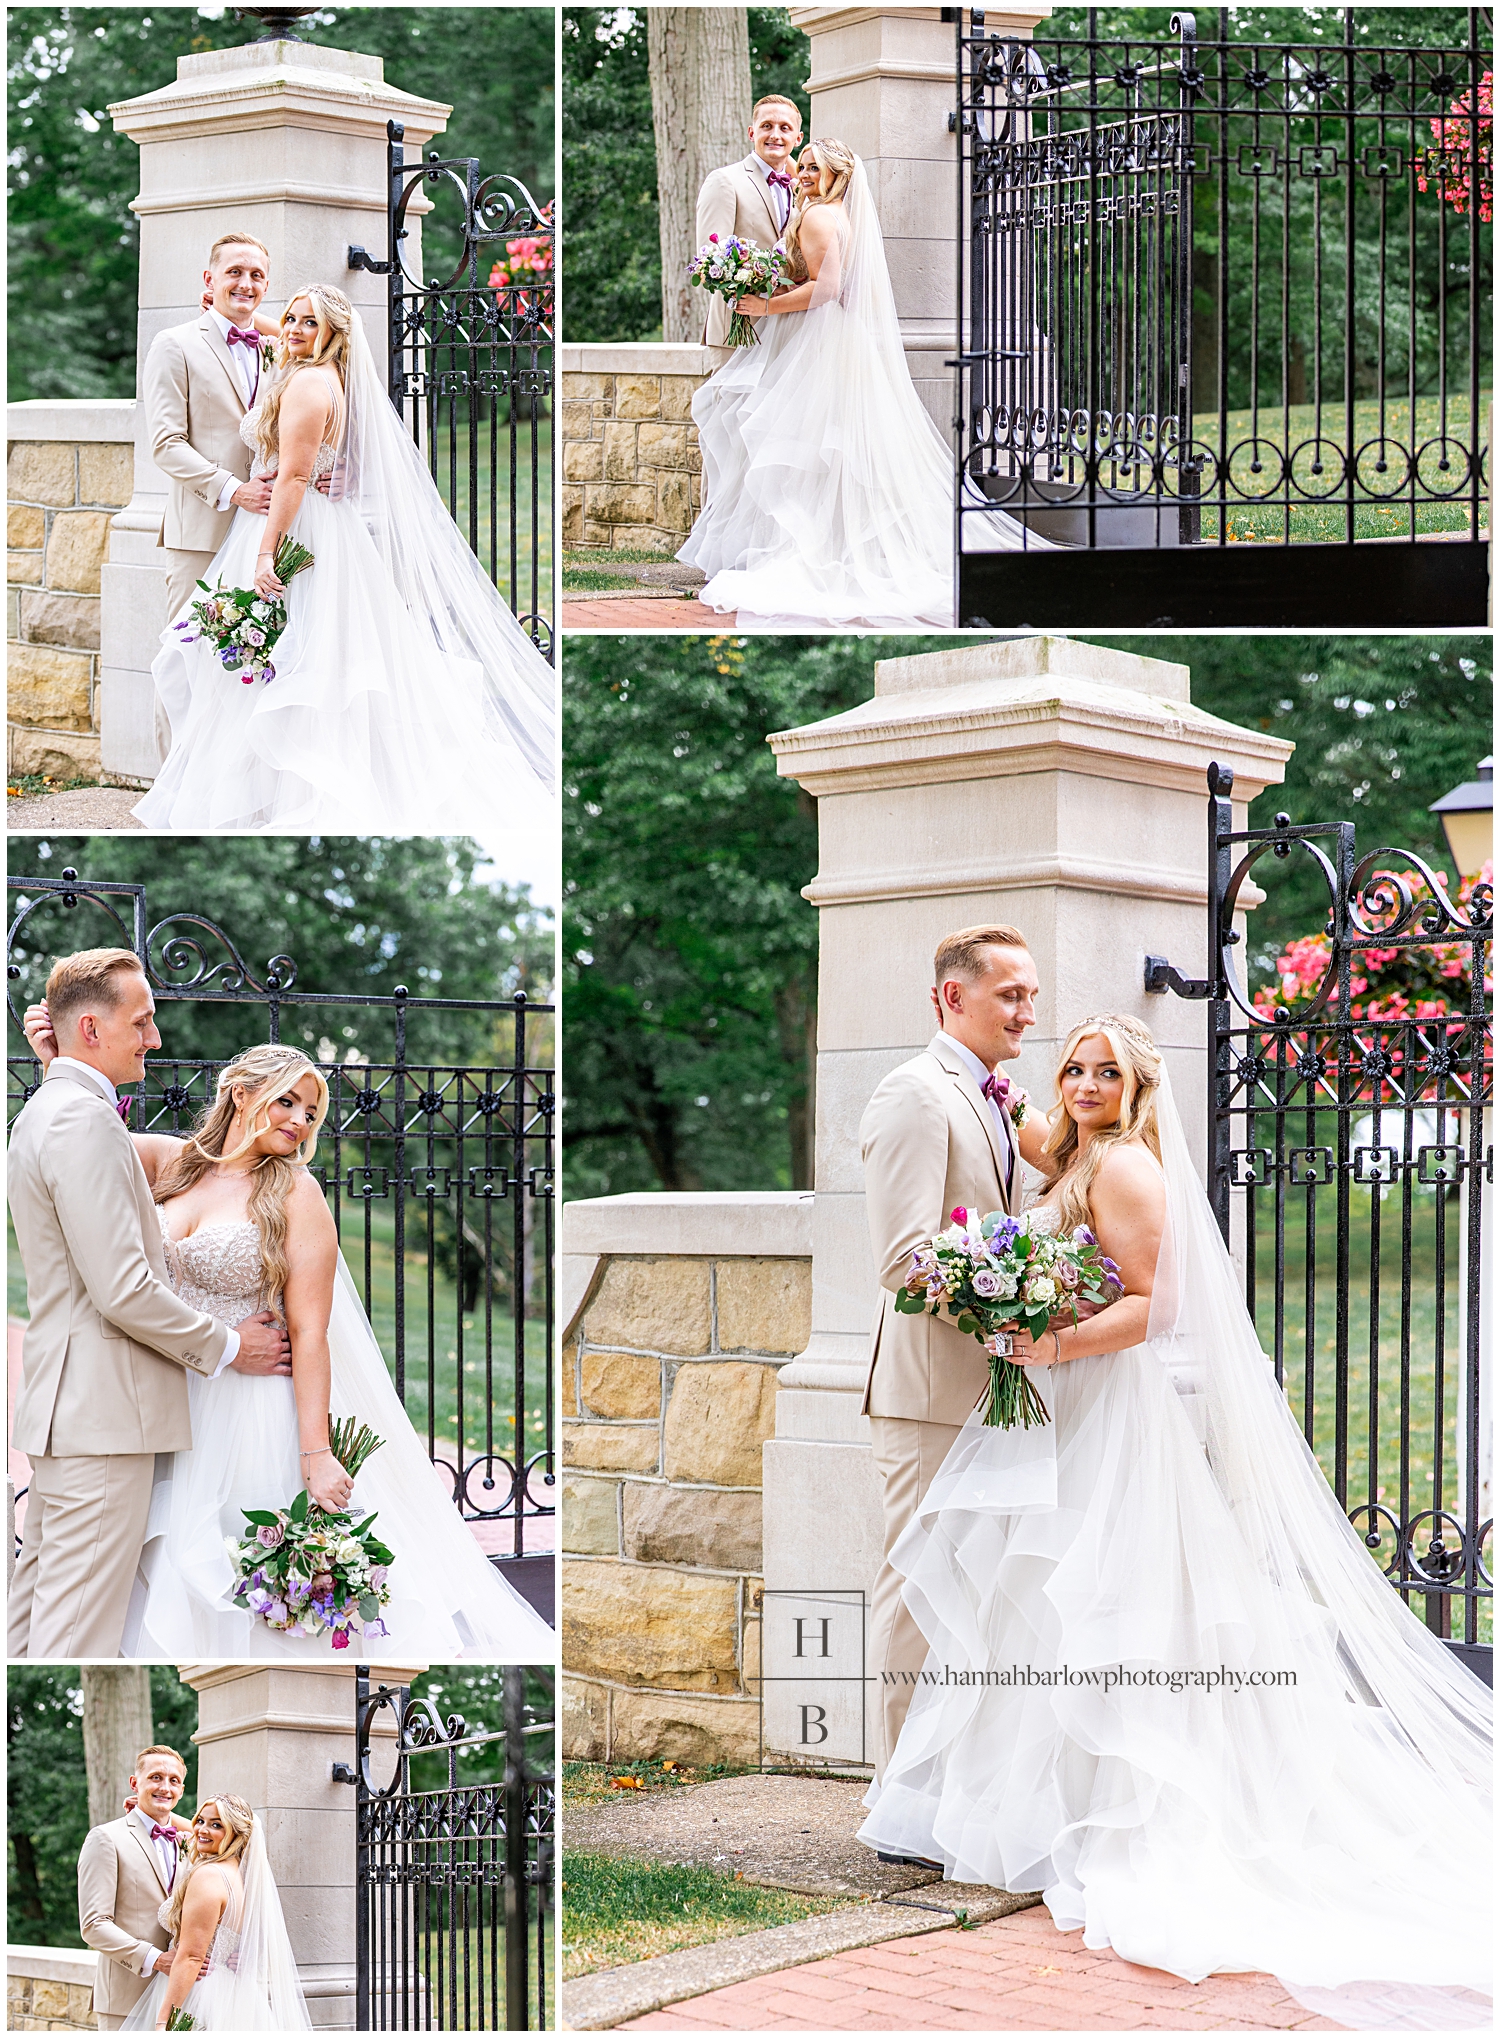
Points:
(471, 368)
(453, 1886)
(1224, 326)
(438, 1170)
(1349, 1150)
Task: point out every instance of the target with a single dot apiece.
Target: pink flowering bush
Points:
(530, 255)
(1450, 166)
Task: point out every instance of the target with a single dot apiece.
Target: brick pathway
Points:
(642, 612)
(1019, 1974)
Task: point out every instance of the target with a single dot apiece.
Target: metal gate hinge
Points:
(1161, 977)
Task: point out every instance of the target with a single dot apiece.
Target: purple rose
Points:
(985, 1282)
(378, 1575)
(1068, 1274)
(271, 1537)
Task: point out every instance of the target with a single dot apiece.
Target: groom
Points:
(751, 198)
(108, 1346)
(125, 1873)
(934, 1136)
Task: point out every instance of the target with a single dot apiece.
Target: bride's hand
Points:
(328, 1484)
(266, 583)
(37, 1027)
(1026, 1351)
(751, 307)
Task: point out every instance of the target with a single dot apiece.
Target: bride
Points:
(406, 698)
(232, 1964)
(1279, 1819)
(245, 1226)
(827, 488)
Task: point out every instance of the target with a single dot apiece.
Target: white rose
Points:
(348, 1550)
(1040, 1289)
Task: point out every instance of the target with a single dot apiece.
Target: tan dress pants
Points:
(907, 1456)
(85, 1527)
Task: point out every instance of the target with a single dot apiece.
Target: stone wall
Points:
(70, 466)
(680, 1311)
(631, 468)
(49, 1988)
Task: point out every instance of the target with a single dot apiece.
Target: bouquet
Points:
(325, 1573)
(179, 2020)
(734, 269)
(995, 1271)
(242, 625)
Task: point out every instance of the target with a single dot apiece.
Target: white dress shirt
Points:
(112, 1097)
(779, 197)
(247, 366)
(166, 1853)
(1003, 1127)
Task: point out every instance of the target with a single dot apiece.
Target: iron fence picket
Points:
(1333, 1081)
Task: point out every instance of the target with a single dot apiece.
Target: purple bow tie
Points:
(122, 1107)
(996, 1088)
(245, 339)
(164, 1833)
(779, 177)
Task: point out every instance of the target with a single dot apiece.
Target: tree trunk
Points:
(700, 109)
(116, 1727)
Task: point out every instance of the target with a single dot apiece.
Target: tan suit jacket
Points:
(108, 1347)
(733, 200)
(121, 1888)
(929, 1142)
(194, 404)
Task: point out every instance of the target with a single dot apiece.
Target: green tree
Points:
(689, 952)
(612, 265)
(356, 914)
(75, 244)
(476, 1692)
(48, 1795)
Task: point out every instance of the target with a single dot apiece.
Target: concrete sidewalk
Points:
(1017, 1974)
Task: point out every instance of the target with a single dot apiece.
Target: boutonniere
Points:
(268, 353)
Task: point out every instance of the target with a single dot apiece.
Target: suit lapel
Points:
(143, 1841)
(218, 346)
(763, 194)
(968, 1089)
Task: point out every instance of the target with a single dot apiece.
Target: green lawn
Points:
(455, 492)
(479, 1955)
(619, 1911)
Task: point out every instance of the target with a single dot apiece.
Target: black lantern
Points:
(1468, 820)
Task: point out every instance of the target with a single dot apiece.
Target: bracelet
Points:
(1057, 1347)
(318, 1453)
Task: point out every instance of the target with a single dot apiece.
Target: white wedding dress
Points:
(1170, 1518)
(248, 1981)
(827, 488)
(406, 698)
(448, 1604)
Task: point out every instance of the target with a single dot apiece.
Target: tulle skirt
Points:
(448, 1604)
(221, 2000)
(1276, 1824)
(369, 726)
(827, 490)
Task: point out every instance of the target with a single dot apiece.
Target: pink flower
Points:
(270, 1537)
(960, 1215)
(340, 1638)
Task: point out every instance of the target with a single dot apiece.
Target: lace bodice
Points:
(1042, 1218)
(216, 1268)
(326, 455)
(224, 1947)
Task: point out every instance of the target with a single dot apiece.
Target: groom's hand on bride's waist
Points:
(321, 482)
(255, 495)
(264, 1346)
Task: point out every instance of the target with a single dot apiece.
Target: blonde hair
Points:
(335, 316)
(1139, 1059)
(240, 1820)
(963, 954)
(264, 1073)
(234, 241)
(835, 168)
(776, 99)
(158, 1748)
(92, 977)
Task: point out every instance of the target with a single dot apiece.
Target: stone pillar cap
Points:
(217, 87)
(1028, 704)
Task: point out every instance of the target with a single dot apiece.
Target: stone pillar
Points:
(271, 1733)
(1053, 784)
(286, 140)
(882, 80)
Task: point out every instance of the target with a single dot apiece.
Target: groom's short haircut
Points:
(963, 954)
(158, 1748)
(775, 99)
(235, 240)
(95, 976)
